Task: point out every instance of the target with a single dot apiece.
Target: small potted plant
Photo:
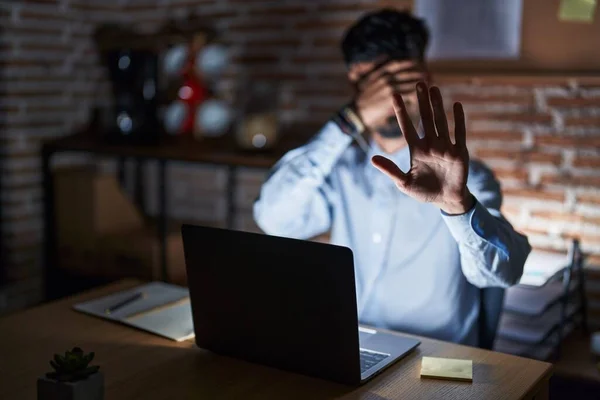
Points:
(72, 379)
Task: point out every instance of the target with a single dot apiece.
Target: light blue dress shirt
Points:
(417, 269)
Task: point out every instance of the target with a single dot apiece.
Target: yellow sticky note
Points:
(447, 368)
(577, 10)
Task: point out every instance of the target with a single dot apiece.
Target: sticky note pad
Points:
(577, 10)
(447, 368)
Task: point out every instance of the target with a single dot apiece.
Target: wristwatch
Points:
(350, 123)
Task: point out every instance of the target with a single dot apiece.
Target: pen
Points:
(161, 307)
(125, 302)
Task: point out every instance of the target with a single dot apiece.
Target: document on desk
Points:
(159, 308)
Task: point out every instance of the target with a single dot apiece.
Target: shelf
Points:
(526, 330)
(218, 151)
(534, 302)
(541, 352)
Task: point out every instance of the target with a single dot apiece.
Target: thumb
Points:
(389, 168)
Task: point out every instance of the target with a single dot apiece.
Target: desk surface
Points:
(138, 365)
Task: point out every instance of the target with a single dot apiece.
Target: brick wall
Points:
(541, 135)
(49, 79)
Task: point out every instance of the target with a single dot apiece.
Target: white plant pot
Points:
(91, 388)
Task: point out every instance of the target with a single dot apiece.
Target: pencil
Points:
(165, 306)
(121, 304)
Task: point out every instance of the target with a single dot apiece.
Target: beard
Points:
(391, 129)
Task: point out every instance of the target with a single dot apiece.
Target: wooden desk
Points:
(138, 365)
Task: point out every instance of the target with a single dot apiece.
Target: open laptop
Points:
(284, 303)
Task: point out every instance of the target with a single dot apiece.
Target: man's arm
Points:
(492, 253)
(294, 201)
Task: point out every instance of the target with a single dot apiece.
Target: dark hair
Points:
(387, 32)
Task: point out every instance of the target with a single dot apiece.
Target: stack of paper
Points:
(159, 308)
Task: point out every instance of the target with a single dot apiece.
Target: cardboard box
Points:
(136, 253)
(88, 205)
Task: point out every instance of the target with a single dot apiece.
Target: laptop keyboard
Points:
(369, 359)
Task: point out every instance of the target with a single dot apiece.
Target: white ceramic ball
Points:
(212, 59)
(213, 118)
(175, 59)
(174, 116)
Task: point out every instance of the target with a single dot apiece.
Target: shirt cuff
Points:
(472, 226)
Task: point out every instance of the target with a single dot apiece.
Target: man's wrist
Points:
(348, 121)
(462, 206)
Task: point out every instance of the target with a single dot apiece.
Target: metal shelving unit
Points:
(535, 320)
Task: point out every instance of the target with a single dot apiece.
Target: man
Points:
(424, 240)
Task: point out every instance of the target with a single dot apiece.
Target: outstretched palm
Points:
(439, 168)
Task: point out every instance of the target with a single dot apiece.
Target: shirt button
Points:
(376, 238)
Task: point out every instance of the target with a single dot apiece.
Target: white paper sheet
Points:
(472, 29)
(174, 322)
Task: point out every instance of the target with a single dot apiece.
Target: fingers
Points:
(405, 79)
(410, 134)
(400, 71)
(425, 110)
(439, 114)
(389, 168)
(460, 129)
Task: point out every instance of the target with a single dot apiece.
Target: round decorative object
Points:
(175, 116)
(211, 60)
(175, 60)
(212, 118)
(258, 131)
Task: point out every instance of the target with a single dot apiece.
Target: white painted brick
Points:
(17, 164)
(592, 130)
(590, 248)
(49, 27)
(20, 144)
(37, 101)
(588, 209)
(21, 179)
(532, 203)
(540, 241)
(24, 209)
(37, 133)
(50, 117)
(26, 226)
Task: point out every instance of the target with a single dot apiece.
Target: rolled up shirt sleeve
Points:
(492, 253)
(294, 201)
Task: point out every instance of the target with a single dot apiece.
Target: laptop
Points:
(283, 303)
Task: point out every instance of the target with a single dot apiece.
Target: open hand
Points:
(439, 168)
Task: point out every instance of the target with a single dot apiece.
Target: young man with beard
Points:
(390, 181)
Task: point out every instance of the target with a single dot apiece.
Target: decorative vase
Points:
(91, 388)
(258, 122)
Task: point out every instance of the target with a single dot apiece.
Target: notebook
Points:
(159, 308)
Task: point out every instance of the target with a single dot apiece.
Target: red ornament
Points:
(193, 92)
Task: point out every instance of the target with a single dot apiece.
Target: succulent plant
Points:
(72, 367)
